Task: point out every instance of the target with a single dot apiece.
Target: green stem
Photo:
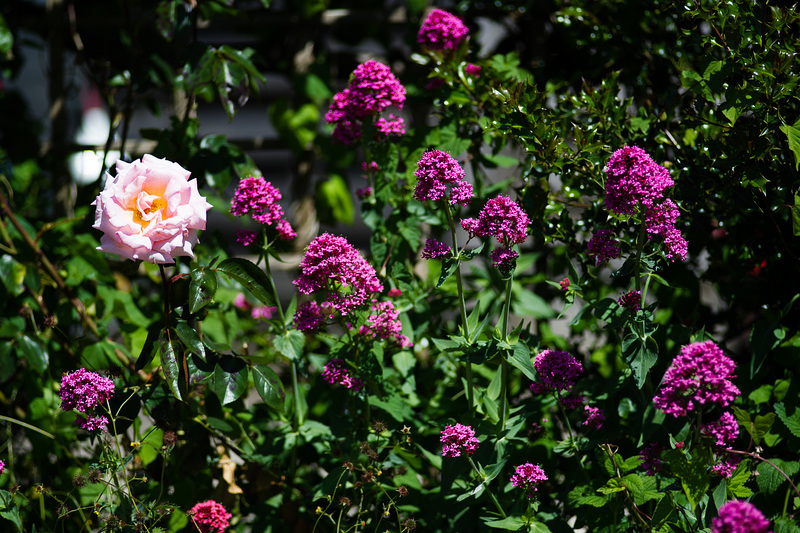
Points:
(278, 305)
(462, 303)
(572, 442)
(503, 361)
(487, 489)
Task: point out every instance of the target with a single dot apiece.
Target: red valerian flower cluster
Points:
(258, 198)
(558, 372)
(739, 517)
(458, 440)
(83, 391)
(371, 90)
(384, 324)
(528, 476)
(209, 517)
(336, 372)
(698, 376)
(603, 246)
(441, 31)
(436, 170)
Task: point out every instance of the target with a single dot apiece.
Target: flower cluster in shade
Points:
(727, 466)
(309, 317)
(603, 246)
(441, 31)
(336, 372)
(259, 198)
(699, 376)
(594, 417)
(2, 466)
(256, 311)
(435, 249)
(332, 268)
(458, 440)
(371, 90)
(630, 300)
(558, 371)
(209, 517)
(435, 171)
(651, 458)
(636, 185)
(473, 70)
(83, 391)
(383, 323)
(723, 431)
(528, 476)
(739, 517)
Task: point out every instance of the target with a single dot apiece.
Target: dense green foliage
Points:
(212, 403)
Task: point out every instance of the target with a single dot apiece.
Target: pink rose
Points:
(150, 210)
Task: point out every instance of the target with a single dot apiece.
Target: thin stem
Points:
(278, 305)
(773, 465)
(462, 303)
(487, 489)
(503, 361)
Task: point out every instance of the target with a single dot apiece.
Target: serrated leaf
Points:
(786, 525)
(792, 422)
(202, 288)
(269, 386)
(250, 276)
(692, 473)
(793, 137)
(769, 477)
(642, 488)
(740, 476)
(230, 379)
(190, 339)
(613, 485)
(290, 344)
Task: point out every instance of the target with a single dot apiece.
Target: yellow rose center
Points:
(147, 206)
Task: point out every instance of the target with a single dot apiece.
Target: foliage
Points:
(215, 401)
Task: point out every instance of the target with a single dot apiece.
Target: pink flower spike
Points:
(259, 199)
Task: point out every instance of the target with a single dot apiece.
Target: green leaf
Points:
(449, 265)
(190, 339)
(791, 421)
(770, 478)
(643, 488)
(639, 356)
(290, 344)
(521, 359)
(6, 38)
(9, 509)
(663, 511)
(334, 201)
(786, 525)
(613, 485)
(796, 214)
(793, 137)
(12, 274)
(740, 476)
(250, 276)
(581, 496)
(510, 523)
(230, 379)
(33, 351)
(269, 386)
(692, 473)
(171, 366)
(202, 288)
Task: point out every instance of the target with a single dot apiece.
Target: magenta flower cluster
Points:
(603, 246)
(504, 259)
(558, 372)
(501, 218)
(594, 418)
(699, 375)
(308, 317)
(436, 170)
(384, 324)
(637, 182)
(83, 391)
(371, 90)
(435, 249)
(259, 198)
(651, 458)
(441, 31)
(209, 517)
(723, 431)
(458, 440)
(631, 300)
(739, 517)
(333, 267)
(528, 476)
(336, 372)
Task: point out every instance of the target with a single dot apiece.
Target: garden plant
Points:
(542, 283)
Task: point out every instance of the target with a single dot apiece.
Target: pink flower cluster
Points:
(256, 311)
(528, 476)
(333, 267)
(309, 317)
(603, 246)
(634, 181)
(699, 375)
(372, 89)
(441, 31)
(83, 390)
(724, 431)
(209, 517)
(726, 467)
(259, 198)
(384, 324)
(435, 169)
(558, 371)
(457, 440)
(651, 458)
(501, 218)
(435, 249)
(739, 517)
(504, 259)
(631, 300)
(594, 417)
(336, 372)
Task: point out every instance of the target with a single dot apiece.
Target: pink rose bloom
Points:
(150, 210)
